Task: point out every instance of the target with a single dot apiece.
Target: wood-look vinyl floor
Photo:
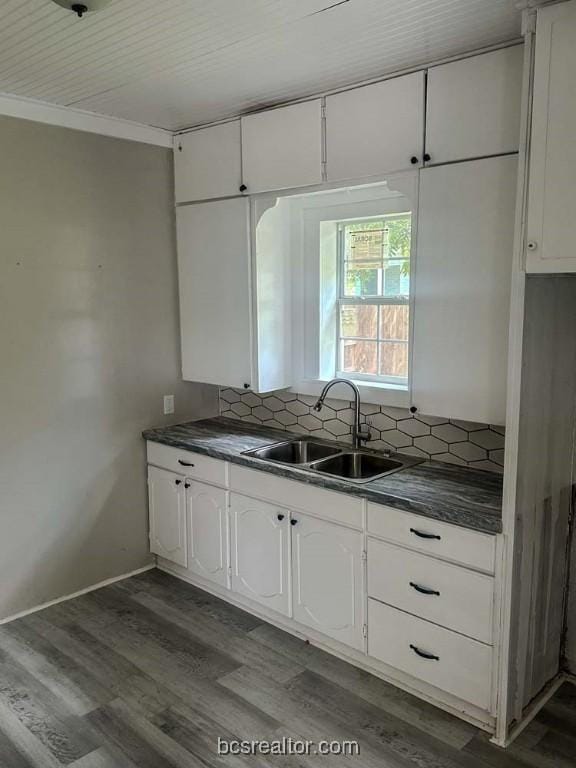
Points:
(149, 672)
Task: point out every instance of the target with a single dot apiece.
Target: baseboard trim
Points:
(532, 710)
(80, 592)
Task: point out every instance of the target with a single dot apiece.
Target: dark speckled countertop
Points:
(454, 494)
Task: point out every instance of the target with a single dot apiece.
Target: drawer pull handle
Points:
(424, 590)
(185, 463)
(423, 535)
(424, 654)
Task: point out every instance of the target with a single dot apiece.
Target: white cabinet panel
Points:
(462, 289)
(207, 163)
(551, 231)
(282, 148)
(167, 506)
(375, 129)
(261, 552)
(327, 578)
(193, 465)
(451, 662)
(473, 106)
(214, 278)
(448, 542)
(207, 532)
(440, 592)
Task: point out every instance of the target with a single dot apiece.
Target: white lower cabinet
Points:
(260, 555)
(327, 578)
(207, 532)
(428, 586)
(167, 503)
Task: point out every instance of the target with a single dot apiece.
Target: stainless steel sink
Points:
(358, 466)
(295, 452)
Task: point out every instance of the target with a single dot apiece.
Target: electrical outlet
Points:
(168, 404)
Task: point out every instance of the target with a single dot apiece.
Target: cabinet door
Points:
(261, 552)
(327, 578)
(214, 280)
(462, 289)
(473, 106)
(167, 506)
(375, 129)
(207, 163)
(207, 532)
(551, 230)
(282, 148)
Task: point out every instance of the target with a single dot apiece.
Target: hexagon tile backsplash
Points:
(480, 446)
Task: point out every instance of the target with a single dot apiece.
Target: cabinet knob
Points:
(427, 157)
(414, 160)
(186, 485)
(413, 409)
(246, 386)
(280, 517)
(177, 482)
(242, 187)
(293, 522)
(532, 245)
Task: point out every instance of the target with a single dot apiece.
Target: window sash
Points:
(344, 300)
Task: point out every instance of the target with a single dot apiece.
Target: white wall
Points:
(88, 346)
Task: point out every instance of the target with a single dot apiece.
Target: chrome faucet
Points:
(359, 434)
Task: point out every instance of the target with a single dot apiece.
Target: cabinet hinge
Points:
(364, 630)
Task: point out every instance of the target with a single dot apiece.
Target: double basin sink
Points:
(346, 463)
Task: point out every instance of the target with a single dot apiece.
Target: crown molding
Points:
(79, 120)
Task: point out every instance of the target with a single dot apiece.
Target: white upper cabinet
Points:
(375, 129)
(473, 106)
(463, 272)
(282, 148)
(207, 163)
(214, 278)
(551, 230)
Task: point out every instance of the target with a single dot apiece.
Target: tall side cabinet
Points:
(551, 230)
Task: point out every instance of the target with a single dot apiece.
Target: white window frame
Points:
(377, 301)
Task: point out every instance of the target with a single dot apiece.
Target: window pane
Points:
(359, 320)
(362, 279)
(393, 359)
(396, 278)
(366, 242)
(394, 322)
(359, 356)
(376, 257)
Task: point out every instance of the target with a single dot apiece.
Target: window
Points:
(373, 298)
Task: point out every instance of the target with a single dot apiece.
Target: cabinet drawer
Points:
(449, 542)
(459, 666)
(411, 581)
(327, 504)
(193, 465)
